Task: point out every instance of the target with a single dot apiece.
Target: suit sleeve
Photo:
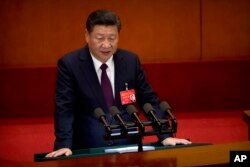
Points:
(64, 103)
(144, 91)
(145, 94)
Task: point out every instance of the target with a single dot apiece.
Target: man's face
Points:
(102, 41)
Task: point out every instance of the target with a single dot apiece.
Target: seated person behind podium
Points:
(79, 92)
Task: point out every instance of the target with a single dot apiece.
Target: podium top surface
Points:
(99, 151)
(196, 155)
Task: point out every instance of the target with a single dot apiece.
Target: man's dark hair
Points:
(103, 17)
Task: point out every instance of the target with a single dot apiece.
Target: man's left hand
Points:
(173, 141)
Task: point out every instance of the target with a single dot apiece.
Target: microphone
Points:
(151, 113)
(102, 118)
(133, 113)
(165, 107)
(116, 114)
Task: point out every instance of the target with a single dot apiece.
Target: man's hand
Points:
(62, 151)
(173, 141)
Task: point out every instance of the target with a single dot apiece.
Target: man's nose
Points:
(106, 44)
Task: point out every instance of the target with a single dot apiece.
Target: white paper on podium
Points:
(128, 149)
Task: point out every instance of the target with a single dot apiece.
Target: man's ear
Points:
(86, 36)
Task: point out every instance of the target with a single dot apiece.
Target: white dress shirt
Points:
(110, 70)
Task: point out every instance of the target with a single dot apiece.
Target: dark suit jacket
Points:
(78, 94)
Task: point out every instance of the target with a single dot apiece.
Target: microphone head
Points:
(165, 106)
(131, 109)
(114, 110)
(98, 112)
(148, 107)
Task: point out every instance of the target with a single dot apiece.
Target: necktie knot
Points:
(103, 67)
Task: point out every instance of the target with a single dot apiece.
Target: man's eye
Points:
(111, 39)
(100, 38)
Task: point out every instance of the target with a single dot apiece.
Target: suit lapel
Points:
(88, 69)
(119, 73)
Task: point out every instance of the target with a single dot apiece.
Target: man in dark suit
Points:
(79, 87)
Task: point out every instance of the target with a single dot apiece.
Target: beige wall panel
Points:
(38, 32)
(162, 31)
(225, 29)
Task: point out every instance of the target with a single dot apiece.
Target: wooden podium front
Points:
(204, 155)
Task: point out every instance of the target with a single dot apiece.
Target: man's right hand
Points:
(62, 151)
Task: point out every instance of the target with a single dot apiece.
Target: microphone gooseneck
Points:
(117, 115)
(133, 113)
(99, 114)
(151, 114)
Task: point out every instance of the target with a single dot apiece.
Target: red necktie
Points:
(106, 86)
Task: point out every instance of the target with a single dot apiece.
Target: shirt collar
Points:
(98, 63)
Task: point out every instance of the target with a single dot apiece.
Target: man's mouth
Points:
(106, 52)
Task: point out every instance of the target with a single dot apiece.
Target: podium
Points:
(111, 150)
(180, 155)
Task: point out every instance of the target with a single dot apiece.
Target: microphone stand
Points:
(140, 148)
(142, 132)
(158, 126)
